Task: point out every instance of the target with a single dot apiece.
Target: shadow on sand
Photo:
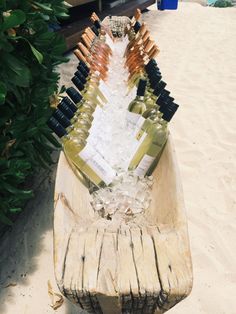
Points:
(21, 245)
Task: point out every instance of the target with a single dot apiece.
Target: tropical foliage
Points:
(29, 54)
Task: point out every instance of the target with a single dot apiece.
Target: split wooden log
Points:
(139, 266)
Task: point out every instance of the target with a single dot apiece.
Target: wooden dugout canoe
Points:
(143, 266)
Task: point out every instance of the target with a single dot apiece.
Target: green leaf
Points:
(45, 17)
(5, 44)
(37, 54)
(3, 92)
(15, 210)
(17, 72)
(16, 17)
(62, 15)
(43, 6)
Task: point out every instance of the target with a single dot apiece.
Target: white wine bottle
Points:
(137, 106)
(151, 140)
(83, 156)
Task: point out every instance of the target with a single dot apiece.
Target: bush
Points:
(223, 4)
(29, 54)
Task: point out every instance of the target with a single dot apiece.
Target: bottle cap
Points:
(168, 111)
(56, 127)
(163, 94)
(80, 76)
(153, 71)
(154, 80)
(74, 95)
(159, 88)
(61, 118)
(65, 109)
(162, 102)
(83, 70)
(97, 24)
(94, 29)
(70, 104)
(151, 64)
(84, 65)
(141, 87)
(77, 83)
(137, 27)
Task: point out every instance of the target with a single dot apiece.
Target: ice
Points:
(129, 194)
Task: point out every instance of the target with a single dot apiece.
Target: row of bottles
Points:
(76, 118)
(149, 113)
(74, 121)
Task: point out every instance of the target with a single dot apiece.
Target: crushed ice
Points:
(128, 193)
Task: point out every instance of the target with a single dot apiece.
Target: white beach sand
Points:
(197, 60)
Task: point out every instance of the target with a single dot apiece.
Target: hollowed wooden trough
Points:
(140, 266)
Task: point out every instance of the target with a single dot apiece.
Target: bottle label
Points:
(137, 143)
(144, 165)
(97, 114)
(132, 119)
(98, 164)
(104, 89)
(139, 124)
(109, 41)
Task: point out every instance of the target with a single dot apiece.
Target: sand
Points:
(197, 59)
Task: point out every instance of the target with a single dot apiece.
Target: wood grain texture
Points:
(140, 266)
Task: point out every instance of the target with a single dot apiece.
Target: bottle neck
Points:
(163, 122)
(139, 97)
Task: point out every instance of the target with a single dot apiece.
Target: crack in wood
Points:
(66, 203)
(65, 258)
(100, 255)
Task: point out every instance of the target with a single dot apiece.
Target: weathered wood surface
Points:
(142, 266)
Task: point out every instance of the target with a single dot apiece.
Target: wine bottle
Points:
(81, 104)
(129, 30)
(137, 106)
(83, 156)
(152, 95)
(101, 27)
(94, 64)
(78, 128)
(151, 140)
(90, 92)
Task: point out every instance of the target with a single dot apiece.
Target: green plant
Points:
(223, 4)
(29, 54)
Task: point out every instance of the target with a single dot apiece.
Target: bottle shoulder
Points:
(137, 105)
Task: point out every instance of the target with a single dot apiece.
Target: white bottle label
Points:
(139, 124)
(103, 88)
(91, 157)
(97, 114)
(144, 165)
(131, 119)
(136, 144)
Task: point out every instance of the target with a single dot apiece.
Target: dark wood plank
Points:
(73, 31)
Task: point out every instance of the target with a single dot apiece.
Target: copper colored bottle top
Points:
(137, 14)
(148, 45)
